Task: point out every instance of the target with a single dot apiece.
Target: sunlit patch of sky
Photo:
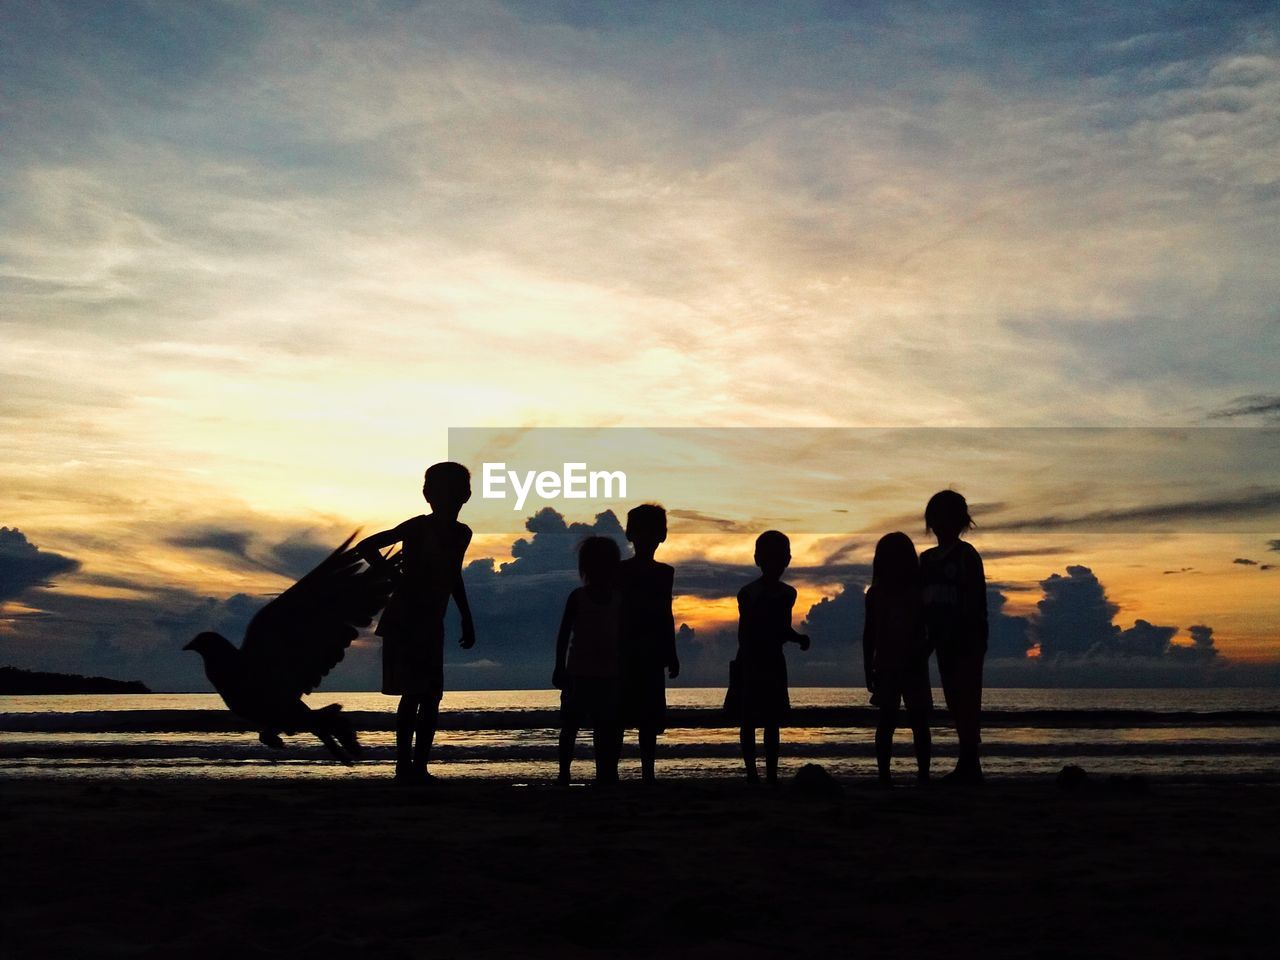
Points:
(255, 260)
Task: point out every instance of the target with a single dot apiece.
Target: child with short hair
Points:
(764, 627)
(412, 626)
(586, 669)
(648, 632)
(895, 650)
(954, 591)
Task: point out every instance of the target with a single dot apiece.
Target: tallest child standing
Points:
(954, 590)
(412, 626)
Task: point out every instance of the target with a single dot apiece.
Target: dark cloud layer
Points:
(518, 606)
(291, 557)
(1255, 405)
(23, 565)
(1245, 505)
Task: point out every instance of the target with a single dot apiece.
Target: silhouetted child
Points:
(412, 626)
(586, 670)
(954, 591)
(648, 631)
(764, 626)
(895, 649)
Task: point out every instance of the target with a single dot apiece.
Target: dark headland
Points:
(21, 682)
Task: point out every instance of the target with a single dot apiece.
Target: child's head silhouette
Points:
(895, 565)
(647, 524)
(598, 559)
(773, 553)
(947, 515)
(447, 485)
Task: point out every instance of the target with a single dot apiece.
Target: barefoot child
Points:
(648, 632)
(954, 590)
(412, 626)
(586, 670)
(895, 650)
(764, 626)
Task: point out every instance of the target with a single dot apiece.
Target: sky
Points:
(257, 260)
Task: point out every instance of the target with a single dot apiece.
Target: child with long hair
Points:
(587, 655)
(895, 650)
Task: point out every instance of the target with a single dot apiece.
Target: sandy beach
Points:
(194, 868)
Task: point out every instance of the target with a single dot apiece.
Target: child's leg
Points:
(885, 726)
(772, 738)
(604, 740)
(606, 729)
(406, 714)
(648, 738)
(969, 706)
(568, 737)
(428, 714)
(747, 737)
(948, 670)
(922, 739)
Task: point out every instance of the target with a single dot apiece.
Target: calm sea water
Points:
(511, 734)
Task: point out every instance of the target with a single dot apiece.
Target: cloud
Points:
(837, 621)
(1075, 619)
(229, 617)
(292, 557)
(234, 543)
(1007, 635)
(1201, 650)
(697, 520)
(1255, 405)
(1245, 505)
(1245, 562)
(554, 544)
(1075, 616)
(1144, 639)
(517, 605)
(23, 565)
(138, 637)
(1273, 545)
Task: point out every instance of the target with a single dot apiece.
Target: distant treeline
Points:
(14, 681)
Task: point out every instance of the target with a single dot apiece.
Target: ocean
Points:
(1175, 734)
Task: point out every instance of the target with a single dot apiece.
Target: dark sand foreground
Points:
(708, 869)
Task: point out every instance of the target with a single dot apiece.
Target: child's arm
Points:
(460, 599)
(744, 621)
(974, 599)
(464, 610)
(868, 642)
(793, 635)
(562, 645)
(669, 629)
(371, 547)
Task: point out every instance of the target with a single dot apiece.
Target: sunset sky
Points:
(257, 259)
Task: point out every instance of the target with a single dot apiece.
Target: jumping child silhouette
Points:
(648, 631)
(764, 626)
(586, 670)
(954, 591)
(412, 626)
(895, 650)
